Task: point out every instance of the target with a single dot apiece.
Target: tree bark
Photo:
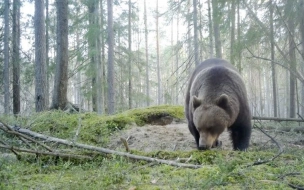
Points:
(40, 58)
(111, 94)
(61, 75)
(6, 77)
(16, 57)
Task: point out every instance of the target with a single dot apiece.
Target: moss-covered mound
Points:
(93, 128)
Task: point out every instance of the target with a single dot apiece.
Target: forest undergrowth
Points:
(219, 168)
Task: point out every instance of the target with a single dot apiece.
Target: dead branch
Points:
(274, 157)
(64, 155)
(292, 185)
(9, 130)
(101, 150)
(277, 119)
(294, 73)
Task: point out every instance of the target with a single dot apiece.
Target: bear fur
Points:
(216, 100)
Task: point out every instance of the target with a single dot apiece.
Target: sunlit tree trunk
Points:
(16, 57)
(6, 71)
(40, 57)
(110, 31)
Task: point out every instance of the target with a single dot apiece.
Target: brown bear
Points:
(216, 100)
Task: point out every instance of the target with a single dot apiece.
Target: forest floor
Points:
(263, 166)
(176, 136)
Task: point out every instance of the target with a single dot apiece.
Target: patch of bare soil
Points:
(176, 136)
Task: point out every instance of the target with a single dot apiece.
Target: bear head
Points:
(210, 119)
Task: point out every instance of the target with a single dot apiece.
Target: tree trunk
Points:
(6, 71)
(273, 70)
(92, 34)
(292, 59)
(211, 53)
(16, 57)
(47, 61)
(157, 59)
(300, 13)
(40, 57)
(232, 34)
(216, 28)
(111, 94)
(98, 63)
(61, 75)
(103, 54)
(195, 40)
(177, 56)
(239, 64)
(130, 54)
(147, 55)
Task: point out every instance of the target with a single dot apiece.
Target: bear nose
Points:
(203, 147)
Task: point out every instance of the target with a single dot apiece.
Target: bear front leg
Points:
(240, 135)
(194, 132)
(217, 143)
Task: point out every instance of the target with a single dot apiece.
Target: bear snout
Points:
(203, 147)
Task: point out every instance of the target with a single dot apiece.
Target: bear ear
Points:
(222, 101)
(196, 102)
